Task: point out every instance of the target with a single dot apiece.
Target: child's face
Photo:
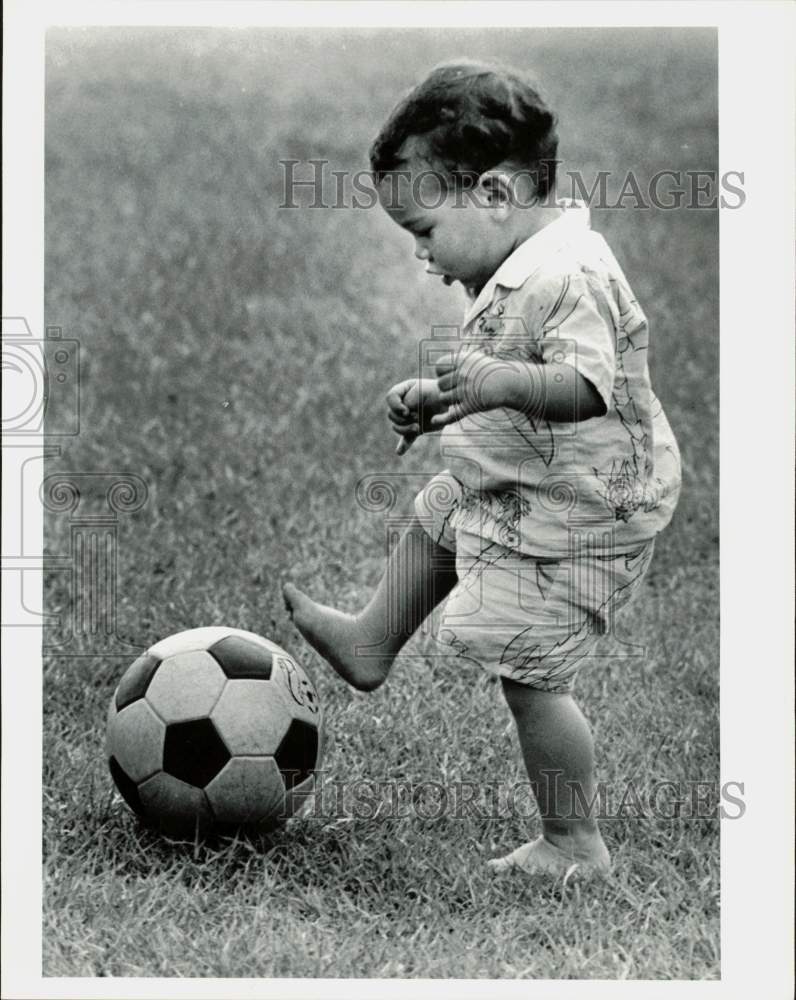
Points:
(460, 236)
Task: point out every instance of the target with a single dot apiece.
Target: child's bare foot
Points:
(341, 639)
(543, 856)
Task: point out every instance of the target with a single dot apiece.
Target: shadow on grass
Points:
(378, 869)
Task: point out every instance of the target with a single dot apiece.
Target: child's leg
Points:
(558, 752)
(361, 648)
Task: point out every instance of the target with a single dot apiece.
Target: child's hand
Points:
(411, 406)
(473, 382)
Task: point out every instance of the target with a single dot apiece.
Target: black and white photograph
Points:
(397, 446)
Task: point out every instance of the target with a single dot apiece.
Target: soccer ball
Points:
(214, 728)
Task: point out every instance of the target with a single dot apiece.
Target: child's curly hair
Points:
(472, 116)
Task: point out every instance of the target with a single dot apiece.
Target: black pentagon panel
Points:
(241, 658)
(127, 787)
(194, 752)
(135, 682)
(297, 753)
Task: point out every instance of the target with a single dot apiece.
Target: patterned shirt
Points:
(548, 488)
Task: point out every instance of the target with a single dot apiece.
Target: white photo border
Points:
(756, 114)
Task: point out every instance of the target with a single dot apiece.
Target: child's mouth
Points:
(446, 278)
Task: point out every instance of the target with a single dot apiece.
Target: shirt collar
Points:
(529, 255)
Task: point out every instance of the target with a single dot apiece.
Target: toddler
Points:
(560, 465)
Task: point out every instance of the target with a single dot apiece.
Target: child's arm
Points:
(480, 381)
(411, 407)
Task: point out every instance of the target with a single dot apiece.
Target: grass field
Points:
(235, 356)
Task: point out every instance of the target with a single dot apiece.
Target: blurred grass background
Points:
(235, 356)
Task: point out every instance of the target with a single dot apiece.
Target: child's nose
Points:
(421, 252)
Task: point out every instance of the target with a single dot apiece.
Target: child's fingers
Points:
(401, 419)
(449, 396)
(395, 402)
(445, 364)
(450, 416)
(405, 429)
(405, 444)
(395, 406)
(448, 380)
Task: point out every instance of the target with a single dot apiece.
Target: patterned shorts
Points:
(528, 618)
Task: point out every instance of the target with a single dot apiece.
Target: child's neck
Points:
(530, 221)
(527, 223)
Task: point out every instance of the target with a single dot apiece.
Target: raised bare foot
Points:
(341, 639)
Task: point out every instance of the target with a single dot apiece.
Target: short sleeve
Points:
(578, 329)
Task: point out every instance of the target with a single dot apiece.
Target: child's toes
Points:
(531, 857)
(292, 598)
(540, 856)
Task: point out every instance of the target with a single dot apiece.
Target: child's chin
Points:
(447, 279)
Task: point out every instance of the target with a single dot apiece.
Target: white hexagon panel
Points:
(252, 717)
(204, 638)
(135, 738)
(298, 689)
(186, 686)
(248, 790)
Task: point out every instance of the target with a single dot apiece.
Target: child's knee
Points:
(523, 699)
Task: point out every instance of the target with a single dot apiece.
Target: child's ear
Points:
(496, 188)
